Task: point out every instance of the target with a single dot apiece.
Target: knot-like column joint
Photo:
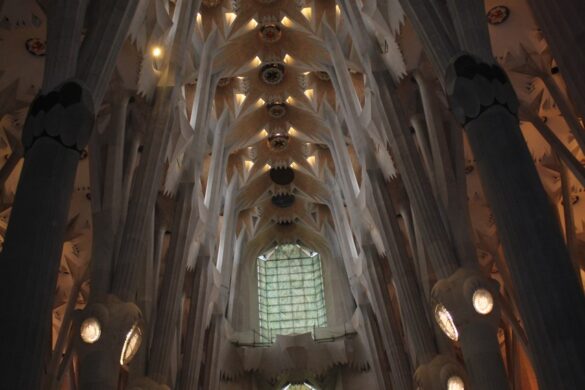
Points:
(109, 336)
(66, 115)
(443, 372)
(465, 298)
(474, 87)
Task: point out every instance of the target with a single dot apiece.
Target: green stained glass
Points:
(290, 290)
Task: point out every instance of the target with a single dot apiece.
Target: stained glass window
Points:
(290, 291)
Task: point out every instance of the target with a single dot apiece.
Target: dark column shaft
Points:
(30, 260)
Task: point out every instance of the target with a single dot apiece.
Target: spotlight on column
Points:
(131, 345)
(483, 301)
(455, 383)
(90, 330)
(445, 321)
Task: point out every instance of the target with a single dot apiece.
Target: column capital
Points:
(474, 86)
(65, 114)
(465, 298)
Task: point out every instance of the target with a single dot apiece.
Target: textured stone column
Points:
(57, 128)
(477, 327)
(549, 297)
(102, 356)
(170, 299)
(389, 326)
(412, 305)
(562, 24)
(191, 364)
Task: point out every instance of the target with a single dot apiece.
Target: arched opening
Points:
(290, 291)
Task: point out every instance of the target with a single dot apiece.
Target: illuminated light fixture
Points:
(230, 17)
(131, 345)
(286, 22)
(261, 101)
(312, 160)
(290, 100)
(306, 73)
(264, 133)
(249, 164)
(157, 52)
(240, 97)
(266, 168)
(293, 165)
(199, 18)
(307, 12)
(337, 10)
(445, 321)
(309, 93)
(483, 301)
(292, 131)
(90, 330)
(256, 61)
(252, 24)
(241, 78)
(455, 383)
(288, 59)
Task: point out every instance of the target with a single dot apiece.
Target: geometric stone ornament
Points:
(66, 115)
(498, 15)
(276, 109)
(283, 200)
(272, 74)
(474, 87)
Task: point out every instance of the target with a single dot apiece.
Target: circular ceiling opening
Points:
(283, 200)
(282, 176)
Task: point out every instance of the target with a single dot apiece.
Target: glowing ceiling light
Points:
(249, 164)
(286, 22)
(230, 17)
(251, 24)
(445, 321)
(199, 18)
(288, 59)
(455, 383)
(293, 165)
(240, 97)
(307, 12)
(290, 100)
(264, 133)
(256, 61)
(292, 131)
(337, 10)
(131, 344)
(156, 51)
(312, 160)
(483, 301)
(266, 168)
(90, 330)
(309, 93)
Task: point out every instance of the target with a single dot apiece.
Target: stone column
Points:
(412, 305)
(549, 297)
(191, 364)
(562, 24)
(57, 129)
(469, 298)
(169, 306)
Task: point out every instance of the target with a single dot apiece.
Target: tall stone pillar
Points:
(170, 299)
(191, 364)
(562, 24)
(549, 296)
(57, 129)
